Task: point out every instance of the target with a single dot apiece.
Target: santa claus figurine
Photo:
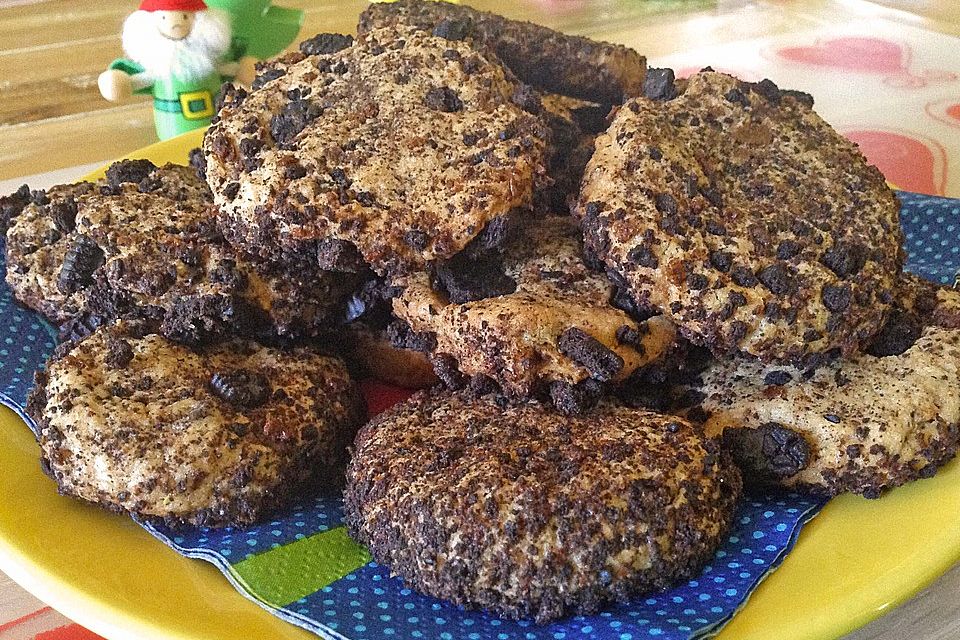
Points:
(179, 51)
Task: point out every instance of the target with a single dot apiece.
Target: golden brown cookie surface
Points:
(741, 215)
(531, 513)
(214, 437)
(393, 152)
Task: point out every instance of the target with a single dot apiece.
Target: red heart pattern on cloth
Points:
(906, 160)
(866, 54)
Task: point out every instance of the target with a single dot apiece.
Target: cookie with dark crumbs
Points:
(97, 251)
(547, 59)
(529, 513)
(214, 437)
(860, 425)
(535, 317)
(744, 217)
(393, 152)
(934, 303)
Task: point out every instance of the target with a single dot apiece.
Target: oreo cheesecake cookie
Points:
(145, 243)
(219, 436)
(529, 513)
(549, 60)
(536, 322)
(392, 152)
(737, 212)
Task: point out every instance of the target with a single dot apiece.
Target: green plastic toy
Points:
(260, 29)
(180, 54)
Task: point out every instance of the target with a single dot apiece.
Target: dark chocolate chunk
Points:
(900, 331)
(464, 280)
(129, 171)
(325, 44)
(241, 388)
(443, 99)
(602, 363)
(81, 260)
(660, 84)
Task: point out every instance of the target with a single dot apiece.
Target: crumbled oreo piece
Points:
(325, 44)
(575, 399)
(129, 171)
(292, 119)
(465, 280)
(82, 258)
(241, 388)
(899, 333)
(659, 84)
(772, 451)
(339, 255)
(451, 29)
(443, 99)
(602, 363)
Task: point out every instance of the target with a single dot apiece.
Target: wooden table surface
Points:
(52, 117)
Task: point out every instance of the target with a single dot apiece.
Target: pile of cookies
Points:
(625, 294)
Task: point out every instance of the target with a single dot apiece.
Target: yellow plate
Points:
(855, 561)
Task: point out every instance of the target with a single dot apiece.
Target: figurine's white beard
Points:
(190, 59)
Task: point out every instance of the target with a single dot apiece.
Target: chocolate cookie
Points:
(861, 425)
(150, 247)
(394, 151)
(741, 215)
(215, 437)
(532, 514)
(535, 322)
(553, 61)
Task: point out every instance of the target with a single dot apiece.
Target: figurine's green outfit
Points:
(259, 30)
(178, 106)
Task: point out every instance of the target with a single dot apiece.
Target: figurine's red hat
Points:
(172, 5)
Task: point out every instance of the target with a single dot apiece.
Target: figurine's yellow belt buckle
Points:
(196, 105)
